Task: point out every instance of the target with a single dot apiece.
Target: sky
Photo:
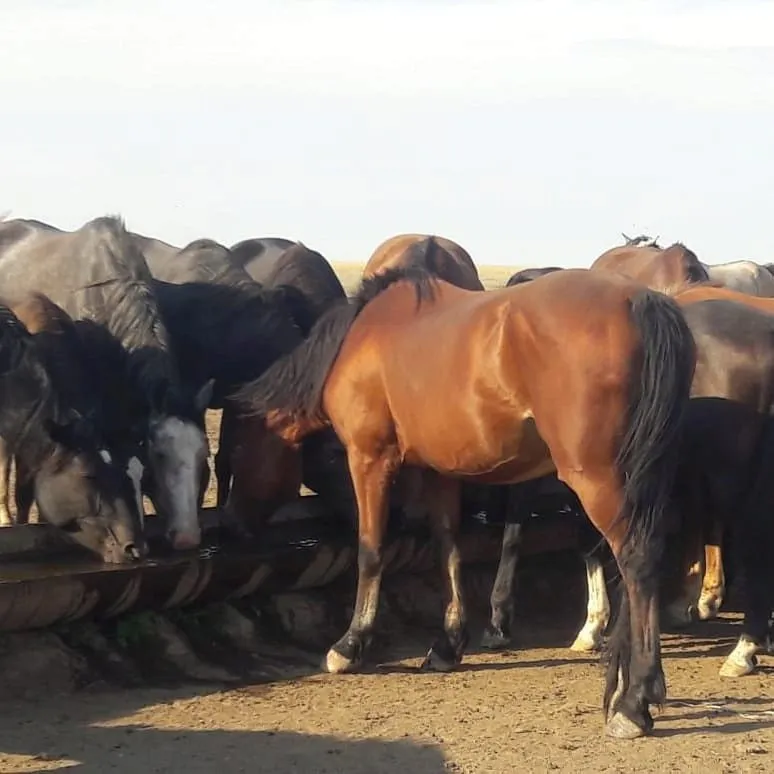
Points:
(532, 133)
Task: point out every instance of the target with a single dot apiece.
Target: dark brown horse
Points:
(658, 268)
(527, 275)
(417, 371)
(442, 258)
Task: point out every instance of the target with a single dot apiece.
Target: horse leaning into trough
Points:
(97, 273)
(460, 383)
(56, 452)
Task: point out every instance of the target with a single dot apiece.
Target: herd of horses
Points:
(640, 390)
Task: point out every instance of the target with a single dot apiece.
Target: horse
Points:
(224, 335)
(417, 371)
(442, 258)
(54, 445)
(258, 255)
(656, 267)
(527, 275)
(203, 260)
(743, 276)
(727, 455)
(57, 340)
(97, 273)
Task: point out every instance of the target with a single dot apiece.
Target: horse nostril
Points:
(132, 551)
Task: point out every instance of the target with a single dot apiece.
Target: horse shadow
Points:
(90, 742)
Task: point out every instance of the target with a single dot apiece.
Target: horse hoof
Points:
(337, 664)
(708, 609)
(585, 644)
(620, 727)
(733, 668)
(434, 663)
(492, 639)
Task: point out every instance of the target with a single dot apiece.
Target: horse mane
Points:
(132, 315)
(294, 383)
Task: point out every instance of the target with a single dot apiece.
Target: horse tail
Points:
(648, 457)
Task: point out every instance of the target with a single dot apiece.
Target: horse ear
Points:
(204, 396)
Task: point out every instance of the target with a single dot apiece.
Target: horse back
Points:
(449, 260)
(467, 364)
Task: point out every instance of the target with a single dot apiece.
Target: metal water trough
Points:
(45, 580)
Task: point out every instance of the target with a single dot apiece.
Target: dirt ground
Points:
(535, 710)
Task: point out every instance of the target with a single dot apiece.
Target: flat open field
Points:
(534, 709)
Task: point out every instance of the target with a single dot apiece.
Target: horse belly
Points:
(503, 450)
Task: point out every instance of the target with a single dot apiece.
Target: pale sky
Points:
(533, 133)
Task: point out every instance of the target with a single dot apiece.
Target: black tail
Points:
(294, 383)
(649, 455)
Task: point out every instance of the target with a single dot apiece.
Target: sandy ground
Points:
(532, 710)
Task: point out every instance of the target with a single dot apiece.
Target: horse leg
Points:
(682, 610)
(25, 495)
(589, 638)
(444, 505)
(713, 588)
(635, 678)
(222, 458)
(6, 460)
(371, 480)
(498, 633)
(754, 542)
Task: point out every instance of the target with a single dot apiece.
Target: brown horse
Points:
(578, 372)
(443, 258)
(713, 585)
(658, 268)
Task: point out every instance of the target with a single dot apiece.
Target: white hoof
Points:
(337, 664)
(586, 643)
(709, 607)
(733, 668)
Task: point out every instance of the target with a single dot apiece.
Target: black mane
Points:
(294, 383)
(130, 312)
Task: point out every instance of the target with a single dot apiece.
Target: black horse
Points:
(97, 273)
(258, 255)
(55, 447)
(527, 275)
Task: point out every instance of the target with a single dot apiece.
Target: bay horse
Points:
(56, 450)
(97, 273)
(418, 371)
(527, 275)
(654, 266)
(442, 257)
